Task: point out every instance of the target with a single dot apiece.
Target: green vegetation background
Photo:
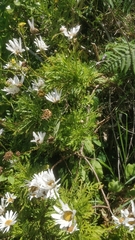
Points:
(90, 137)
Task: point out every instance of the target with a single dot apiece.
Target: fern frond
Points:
(120, 57)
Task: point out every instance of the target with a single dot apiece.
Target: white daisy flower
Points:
(71, 33)
(48, 183)
(127, 218)
(15, 46)
(14, 84)
(7, 221)
(10, 197)
(54, 96)
(36, 85)
(34, 189)
(15, 81)
(44, 185)
(65, 216)
(48, 179)
(2, 206)
(40, 44)
(38, 137)
(12, 89)
(1, 131)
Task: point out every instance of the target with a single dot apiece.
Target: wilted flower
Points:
(15, 46)
(127, 218)
(54, 96)
(44, 185)
(40, 44)
(8, 155)
(65, 217)
(7, 221)
(38, 137)
(46, 114)
(33, 30)
(71, 33)
(9, 197)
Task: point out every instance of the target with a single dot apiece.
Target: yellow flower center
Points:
(10, 200)
(67, 215)
(8, 222)
(50, 183)
(121, 220)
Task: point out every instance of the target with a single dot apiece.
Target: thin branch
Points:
(63, 160)
(98, 180)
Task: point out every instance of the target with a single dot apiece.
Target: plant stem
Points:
(98, 180)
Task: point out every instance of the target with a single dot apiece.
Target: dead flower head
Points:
(8, 155)
(46, 114)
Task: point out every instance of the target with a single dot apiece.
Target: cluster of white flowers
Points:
(43, 185)
(8, 218)
(14, 85)
(15, 45)
(127, 218)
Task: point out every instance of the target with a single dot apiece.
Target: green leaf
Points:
(11, 179)
(2, 178)
(88, 145)
(115, 186)
(97, 142)
(130, 170)
(98, 168)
